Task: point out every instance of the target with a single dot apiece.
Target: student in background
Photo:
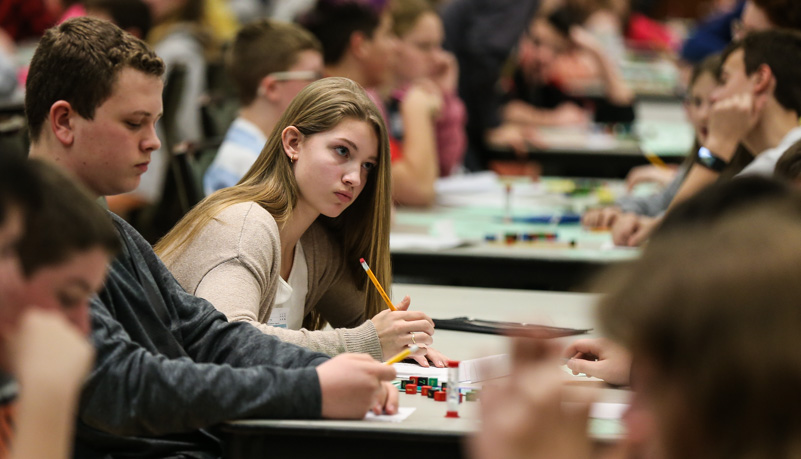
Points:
(92, 101)
(757, 103)
(603, 358)
(280, 250)
(715, 343)
(269, 63)
(481, 34)
(55, 244)
(132, 16)
(702, 82)
(358, 43)
(422, 65)
(537, 97)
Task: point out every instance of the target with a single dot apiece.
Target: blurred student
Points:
(280, 250)
(537, 97)
(269, 63)
(132, 16)
(92, 102)
(482, 34)
(714, 339)
(358, 43)
(422, 65)
(55, 245)
(757, 104)
(603, 358)
(702, 83)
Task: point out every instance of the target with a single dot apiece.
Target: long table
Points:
(447, 244)
(426, 431)
(605, 151)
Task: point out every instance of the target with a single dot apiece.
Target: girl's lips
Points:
(344, 197)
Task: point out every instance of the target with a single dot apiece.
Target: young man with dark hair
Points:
(161, 351)
(757, 104)
(269, 63)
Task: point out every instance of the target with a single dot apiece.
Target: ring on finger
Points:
(413, 340)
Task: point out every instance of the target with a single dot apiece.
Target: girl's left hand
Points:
(434, 356)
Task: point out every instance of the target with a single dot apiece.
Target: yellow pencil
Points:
(377, 285)
(402, 354)
(653, 159)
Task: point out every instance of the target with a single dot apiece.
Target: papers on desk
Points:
(402, 414)
(470, 371)
(400, 241)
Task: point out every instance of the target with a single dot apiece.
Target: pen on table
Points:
(377, 285)
(402, 354)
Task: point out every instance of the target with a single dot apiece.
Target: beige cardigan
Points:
(234, 263)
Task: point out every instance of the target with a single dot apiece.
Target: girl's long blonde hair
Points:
(363, 228)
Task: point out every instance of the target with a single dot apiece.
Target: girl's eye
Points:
(342, 151)
(133, 125)
(368, 166)
(68, 301)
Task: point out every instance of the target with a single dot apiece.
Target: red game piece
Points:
(411, 388)
(440, 396)
(424, 390)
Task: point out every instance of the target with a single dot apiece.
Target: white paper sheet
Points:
(402, 414)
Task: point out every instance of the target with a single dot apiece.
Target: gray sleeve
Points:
(132, 391)
(655, 204)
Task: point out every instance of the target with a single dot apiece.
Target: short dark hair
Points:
(16, 186)
(564, 18)
(127, 14)
(67, 221)
(781, 13)
(78, 61)
(780, 50)
(788, 167)
(263, 47)
(333, 22)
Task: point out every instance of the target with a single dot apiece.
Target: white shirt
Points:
(765, 162)
(290, 299)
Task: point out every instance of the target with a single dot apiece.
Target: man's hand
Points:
(730, 119)
(352, 384)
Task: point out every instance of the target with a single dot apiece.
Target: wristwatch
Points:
(709, 160)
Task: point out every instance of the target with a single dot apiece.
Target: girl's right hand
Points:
(400, 329)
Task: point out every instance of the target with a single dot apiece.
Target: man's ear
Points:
(764, 80)
(268, 88)
(291, 139)
(357, 44)
(60, 119)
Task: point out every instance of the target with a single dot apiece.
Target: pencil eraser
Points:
(361, 260)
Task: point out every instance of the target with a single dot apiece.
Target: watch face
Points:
(707, 159)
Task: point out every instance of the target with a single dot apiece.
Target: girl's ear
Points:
(291, 139)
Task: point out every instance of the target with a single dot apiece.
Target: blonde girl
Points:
(281, 249)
